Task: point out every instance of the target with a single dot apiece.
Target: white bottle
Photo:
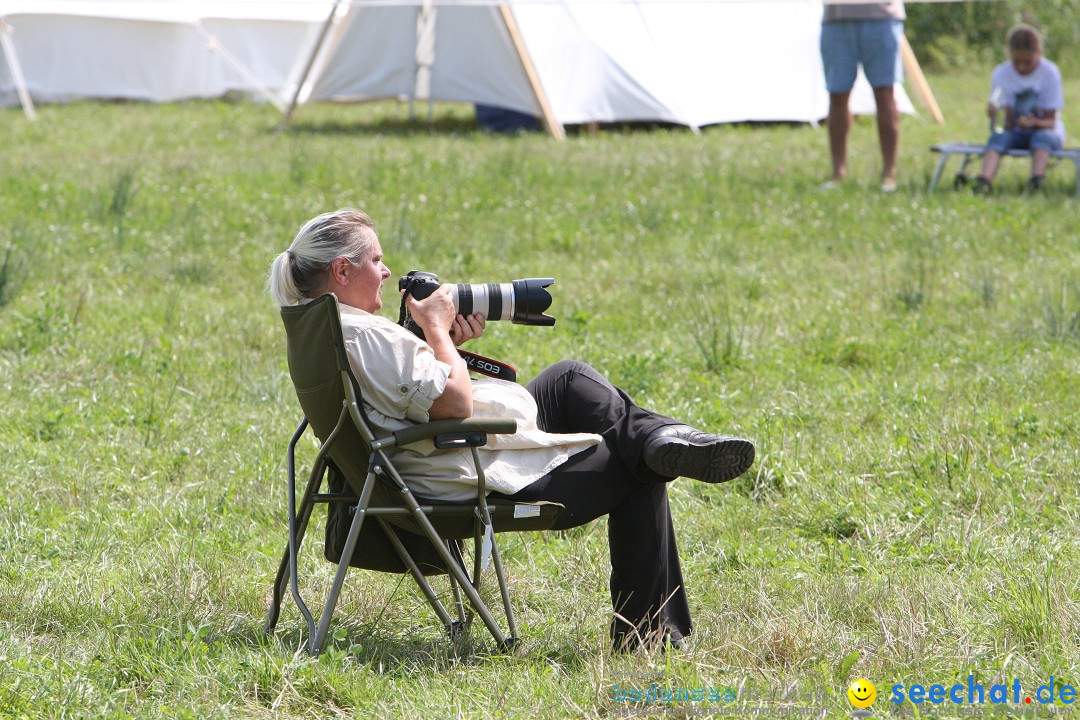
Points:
(997, 101)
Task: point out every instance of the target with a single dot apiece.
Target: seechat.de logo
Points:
(975, 693)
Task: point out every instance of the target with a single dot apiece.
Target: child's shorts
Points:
(1041, 139)
(873, 43)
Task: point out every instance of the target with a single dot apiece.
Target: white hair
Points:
(301, 271)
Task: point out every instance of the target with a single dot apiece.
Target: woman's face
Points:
(363, 280)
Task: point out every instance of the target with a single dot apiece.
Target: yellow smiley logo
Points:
(862, 693)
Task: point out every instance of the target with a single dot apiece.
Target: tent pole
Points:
(553, 125)
(16, 71)
(215, 46)
(291, 110)
(911, 67)
(423, 56)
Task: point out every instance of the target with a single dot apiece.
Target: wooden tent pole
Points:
(291, 110)
(911, 67)
(553, 125)
(16, 71)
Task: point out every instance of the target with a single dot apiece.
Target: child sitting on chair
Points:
(1028, 88)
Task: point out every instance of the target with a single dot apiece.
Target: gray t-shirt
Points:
(893, 10)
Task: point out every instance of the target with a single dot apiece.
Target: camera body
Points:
(522, 301)
(418, 283)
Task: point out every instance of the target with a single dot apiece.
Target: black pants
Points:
(611, 479)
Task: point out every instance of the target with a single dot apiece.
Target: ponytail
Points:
(300, 272)
(282, 285)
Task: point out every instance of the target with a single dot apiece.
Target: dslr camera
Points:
(521, 301)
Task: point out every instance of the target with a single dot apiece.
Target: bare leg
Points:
(991, 161)
(1040, 160)
(888, 124)
(839, 124)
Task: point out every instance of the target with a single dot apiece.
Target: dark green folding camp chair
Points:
(373, 520)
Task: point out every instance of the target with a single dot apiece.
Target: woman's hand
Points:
(434, 313)
(436, 316)
(467, 327)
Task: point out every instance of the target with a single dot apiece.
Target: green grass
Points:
(908, 366)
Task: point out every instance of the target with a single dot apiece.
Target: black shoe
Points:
(680, 450)
(982, 186)
(1035, 183)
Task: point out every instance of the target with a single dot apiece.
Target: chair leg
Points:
(964, 163)
(464, 617)
(479, 533)
(296, 534)
(298, 521)
(484, 518)
(504, 589)
(937, 173)
(319, 638)
(444, 554)
(425, 586)
(284, 575)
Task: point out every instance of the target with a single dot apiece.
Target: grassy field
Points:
(908, 365)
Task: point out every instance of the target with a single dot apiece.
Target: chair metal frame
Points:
(413, 511)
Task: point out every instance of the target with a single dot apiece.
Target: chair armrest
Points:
(409, 435)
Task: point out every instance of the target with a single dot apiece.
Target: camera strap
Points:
(488, 366)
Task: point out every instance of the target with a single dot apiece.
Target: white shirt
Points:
(1034, 93)
(400, 378)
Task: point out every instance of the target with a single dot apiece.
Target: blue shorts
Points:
(1040, 139)
(875, 44)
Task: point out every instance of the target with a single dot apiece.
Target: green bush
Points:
(948, 36)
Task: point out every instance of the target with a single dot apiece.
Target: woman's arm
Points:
(435, 315)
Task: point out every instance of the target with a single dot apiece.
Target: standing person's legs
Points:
(840, 61)
(888, 124)
(879, 52)
(839, 122)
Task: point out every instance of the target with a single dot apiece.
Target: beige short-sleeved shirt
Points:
(400, 378)
(835, 11)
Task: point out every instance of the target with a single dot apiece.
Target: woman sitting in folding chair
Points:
(581, 441)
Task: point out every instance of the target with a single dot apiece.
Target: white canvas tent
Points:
(691, 62)
(153, 50)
